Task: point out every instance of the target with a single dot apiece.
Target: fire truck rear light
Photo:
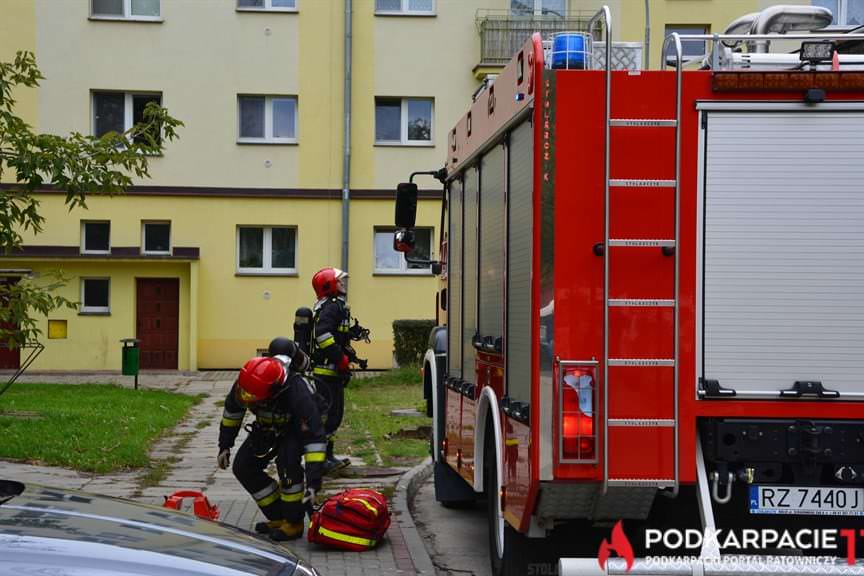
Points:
(577, 422)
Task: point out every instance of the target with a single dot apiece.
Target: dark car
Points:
(65, 532)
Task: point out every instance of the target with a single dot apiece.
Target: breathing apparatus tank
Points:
(303, 329)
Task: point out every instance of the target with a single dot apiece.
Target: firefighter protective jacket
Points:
(292, 410)
(330, 334)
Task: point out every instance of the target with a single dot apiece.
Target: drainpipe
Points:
(648, 36)
(346, 139)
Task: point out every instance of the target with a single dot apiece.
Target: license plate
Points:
(807, 500)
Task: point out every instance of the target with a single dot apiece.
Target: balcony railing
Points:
(502, 35)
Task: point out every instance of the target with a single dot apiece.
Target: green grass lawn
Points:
(368, 428)
(88, 427)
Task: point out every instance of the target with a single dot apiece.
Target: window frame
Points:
(537, 10)
(842, 16)
(268, 7)
(267, 256)
(403, 123)
(403, 265)
(268, 120)
(127, 15)
(83, 246)
(128, 106)
(405, 10)
(83, 309)
(144, 224)
(705, 29)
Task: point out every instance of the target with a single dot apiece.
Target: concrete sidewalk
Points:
(189, 454)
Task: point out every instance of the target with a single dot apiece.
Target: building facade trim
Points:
(295, 193)
(180, 253)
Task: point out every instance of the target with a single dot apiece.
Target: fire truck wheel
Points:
(508, 552)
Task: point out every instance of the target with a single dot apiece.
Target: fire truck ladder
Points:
(669, 247)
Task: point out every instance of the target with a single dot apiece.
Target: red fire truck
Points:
(653, 292)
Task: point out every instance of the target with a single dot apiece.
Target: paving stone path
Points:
(188, 458)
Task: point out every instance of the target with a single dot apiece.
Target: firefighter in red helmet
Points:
(287, 426)
(330, 345)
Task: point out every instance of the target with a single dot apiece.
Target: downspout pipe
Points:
(648, 36)
(346, 140)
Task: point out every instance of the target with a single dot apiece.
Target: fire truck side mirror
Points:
(406, 204)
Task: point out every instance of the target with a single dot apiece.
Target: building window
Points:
(690, 49)
(119, 111)
(846, 12)
(403, 121)
(408, 7)
(267, 119)
(271, 5)
(125, 9)
(538, 8)
(95, 237)
(94, 295)
(389, 261)
(156, 238)
(266, 250)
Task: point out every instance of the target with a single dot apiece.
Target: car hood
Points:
(69, 532)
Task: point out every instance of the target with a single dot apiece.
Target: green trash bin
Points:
(131, 358)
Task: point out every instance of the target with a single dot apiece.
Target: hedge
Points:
(410, 340)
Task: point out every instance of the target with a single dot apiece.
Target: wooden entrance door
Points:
(9, 358)
(158, 321)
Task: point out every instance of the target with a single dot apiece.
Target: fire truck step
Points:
(641, 243)
(633, 482)
(643, 422)
(643, 362)
(643, 123)
(641, 303)
(641, 183)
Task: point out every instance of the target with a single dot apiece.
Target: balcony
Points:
(502, 34)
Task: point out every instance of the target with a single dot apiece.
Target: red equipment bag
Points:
(355, 519)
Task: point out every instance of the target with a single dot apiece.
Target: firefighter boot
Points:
(266, 527)
(333, 464)
(287, 531)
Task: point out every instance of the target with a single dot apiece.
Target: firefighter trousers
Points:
(282, 500)
(336, 392)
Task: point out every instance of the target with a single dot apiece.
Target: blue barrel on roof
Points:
(571, 51)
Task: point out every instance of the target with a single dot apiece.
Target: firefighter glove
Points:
(343, 367)
(224, 458)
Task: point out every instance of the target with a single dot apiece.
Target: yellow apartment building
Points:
(207, 261)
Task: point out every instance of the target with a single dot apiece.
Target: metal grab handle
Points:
(715, 488)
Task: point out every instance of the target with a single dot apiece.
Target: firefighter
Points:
(330, 350)
(287, 426)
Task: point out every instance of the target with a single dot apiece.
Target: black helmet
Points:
(297, 360)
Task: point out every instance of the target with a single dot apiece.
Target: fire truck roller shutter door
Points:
(784, 253)
(492, 230)
(469, 272)
(519, 261)
(454, 279)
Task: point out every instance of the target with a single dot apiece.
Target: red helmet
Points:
(259, 379)
(329, 282)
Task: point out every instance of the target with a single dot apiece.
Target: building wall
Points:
(234, 314)
(200, 57)
(93, 342)
(18, 32)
